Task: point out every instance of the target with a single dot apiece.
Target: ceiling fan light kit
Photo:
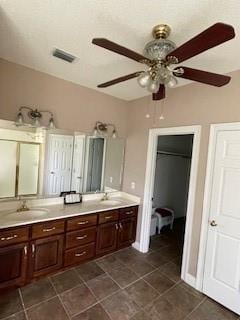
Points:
(161, 56)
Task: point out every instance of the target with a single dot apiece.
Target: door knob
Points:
(213, 223)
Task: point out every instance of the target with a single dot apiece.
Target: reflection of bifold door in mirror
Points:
(8, 165)
(29, 158)
(78, 164)
(60, 149)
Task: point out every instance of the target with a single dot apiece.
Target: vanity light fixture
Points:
(101, 129)
(36, 116)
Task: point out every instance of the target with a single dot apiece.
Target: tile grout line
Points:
(23, 304)
(204, 299)
(98, 301)
(58, 295)
(160, 295)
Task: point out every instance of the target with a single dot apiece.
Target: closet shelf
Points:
(176, 154)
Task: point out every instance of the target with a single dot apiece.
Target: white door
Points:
(60, 149)
(78, 164)
(222, 263)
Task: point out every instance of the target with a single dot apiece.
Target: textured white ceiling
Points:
(30, 29)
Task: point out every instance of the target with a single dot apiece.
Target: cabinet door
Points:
(107, 238)
(46, 255)
(13, 265)
(127, 232)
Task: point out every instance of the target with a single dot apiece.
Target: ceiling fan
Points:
(162, 55)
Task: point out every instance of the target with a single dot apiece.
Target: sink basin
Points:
(32, 213)
(110, 202)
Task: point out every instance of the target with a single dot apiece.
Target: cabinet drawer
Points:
(12, 236)
(128, 212)
(47, 229)
(80, 237)
(77, 255)
(81, 222)
(108, 216)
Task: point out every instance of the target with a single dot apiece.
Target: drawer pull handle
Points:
(108, 217)
(80, 254)
(9, 238)
(25, 250)
(81, 237)
(83, 222)
(129, 212)
(49, 229)
(116, 226)
(120, 226)
(33, 250)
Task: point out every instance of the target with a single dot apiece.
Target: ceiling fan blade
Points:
(112, 46)
(213, 79)
(160, 94)
(211, 37)
(120, 79)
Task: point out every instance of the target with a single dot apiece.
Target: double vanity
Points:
(51, 236)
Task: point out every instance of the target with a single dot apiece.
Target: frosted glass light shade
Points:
(153, 87)
(144, 79)
(51, 124)
(19, 121)
(172, 82)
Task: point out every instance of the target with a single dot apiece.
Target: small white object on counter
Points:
(53, 208)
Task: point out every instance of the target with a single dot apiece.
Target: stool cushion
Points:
(164, 212)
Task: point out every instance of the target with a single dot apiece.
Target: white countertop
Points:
(60, 211)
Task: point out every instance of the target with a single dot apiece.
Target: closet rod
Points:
(174, 154)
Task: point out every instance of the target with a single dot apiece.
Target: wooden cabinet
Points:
(13, 265)
(37, 250)
(46, 255)
(127, 232)
(107, 238)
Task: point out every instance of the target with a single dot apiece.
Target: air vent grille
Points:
(63, 55)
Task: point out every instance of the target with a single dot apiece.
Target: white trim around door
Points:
(149, 185)
(215, 129)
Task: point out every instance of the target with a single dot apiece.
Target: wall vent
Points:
(63, 55)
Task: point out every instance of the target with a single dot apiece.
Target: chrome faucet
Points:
(105, 196)
(23, 207)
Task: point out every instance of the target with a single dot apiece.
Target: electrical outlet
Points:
(111, 179)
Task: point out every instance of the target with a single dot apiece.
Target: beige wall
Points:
(75, 107)
(192, 104)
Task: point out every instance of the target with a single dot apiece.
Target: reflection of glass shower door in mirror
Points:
(29, 155)
(8, 164)
(95, 164)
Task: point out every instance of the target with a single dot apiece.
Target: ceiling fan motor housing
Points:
(159, 48)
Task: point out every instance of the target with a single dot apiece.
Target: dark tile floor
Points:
(121, 286)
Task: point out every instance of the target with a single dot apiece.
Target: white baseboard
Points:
(191, 280)
(136, 245)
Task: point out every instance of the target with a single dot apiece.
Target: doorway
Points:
(170, 192)
(192, 135)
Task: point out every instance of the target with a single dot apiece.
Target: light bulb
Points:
(171, 82)
(147, 115)
(144, 79)
(153, 86)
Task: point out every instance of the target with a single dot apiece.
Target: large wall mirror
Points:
(39, 162)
